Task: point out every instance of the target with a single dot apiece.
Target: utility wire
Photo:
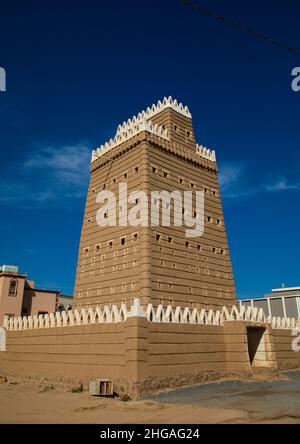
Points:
(225, 20)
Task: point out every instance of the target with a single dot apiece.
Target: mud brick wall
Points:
(73, 353)
(285, 356)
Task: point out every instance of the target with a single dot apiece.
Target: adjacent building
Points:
(20, 297)
(281, 302)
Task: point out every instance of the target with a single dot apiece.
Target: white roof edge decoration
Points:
(206, 152)
(282, 289)
(126, 135)
(142, 122)
(167, 102)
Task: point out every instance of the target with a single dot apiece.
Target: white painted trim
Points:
(2, 339)
(286, 289)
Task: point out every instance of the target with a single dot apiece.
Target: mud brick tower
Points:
(155, 150)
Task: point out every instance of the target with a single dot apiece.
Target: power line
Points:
(239, 26)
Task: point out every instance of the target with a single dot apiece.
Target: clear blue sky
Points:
(76, 69)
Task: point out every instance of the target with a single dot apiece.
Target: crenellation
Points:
(136, 125)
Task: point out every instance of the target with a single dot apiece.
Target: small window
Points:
(180, 180)
(175, 127)
(110, 244)
(136, 169)
(214, 193)
(154, 170)
(97, 248)
(114, 180)
(214, 250)
(165, 174)
(105, 215)
(192, 185)
(135, 237)
(199, 247)
(188, 133)
(89, 220)
(86, 250)
(222, 251)
(125, 175)
(187, 244)
(13, 287)
(123, 240)
(209, 219)
(170, 240)
(158, 237)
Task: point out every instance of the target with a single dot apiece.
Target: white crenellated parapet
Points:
(167, 102)
(142, 122)
(78, 316)
(121, 137)
(169, 314)
(204, 316)
(206, 153)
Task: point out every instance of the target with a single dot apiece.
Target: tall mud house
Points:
(154, 308)
(155, 151)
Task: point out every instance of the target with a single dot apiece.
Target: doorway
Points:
(256, 337)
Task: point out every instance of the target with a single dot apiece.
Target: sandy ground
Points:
(223, 402)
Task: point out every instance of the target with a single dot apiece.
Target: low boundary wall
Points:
(143, 350)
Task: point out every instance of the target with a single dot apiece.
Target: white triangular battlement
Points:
(142, 122)
(206, 152)
(167, 102)
(169, 314)
(126, 134)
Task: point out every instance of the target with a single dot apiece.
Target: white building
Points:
(284, 301)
